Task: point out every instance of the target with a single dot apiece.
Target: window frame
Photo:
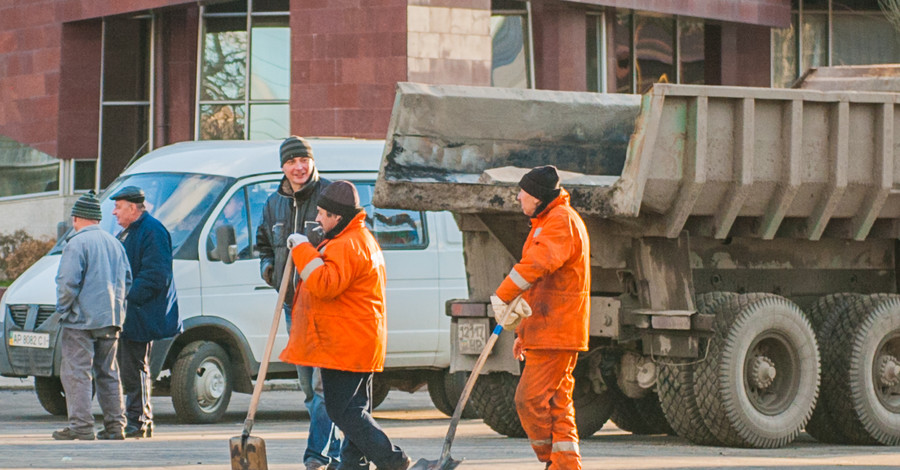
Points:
(246, 103)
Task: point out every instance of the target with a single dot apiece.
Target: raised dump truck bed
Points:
(752, 162)
(743, 248)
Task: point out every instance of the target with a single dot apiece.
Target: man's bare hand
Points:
(518, 351)
(267, 274)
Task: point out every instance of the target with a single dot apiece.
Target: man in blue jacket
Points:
(152, 306)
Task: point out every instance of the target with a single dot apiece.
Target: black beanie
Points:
(542, 182)
(87, 207)
(341, 198)
(294, 147)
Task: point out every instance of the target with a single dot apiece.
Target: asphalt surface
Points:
(410, 421)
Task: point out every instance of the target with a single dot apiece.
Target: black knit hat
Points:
(294, 147)
(87, 207)
(341, 198)
(542, 182)
(129, 193)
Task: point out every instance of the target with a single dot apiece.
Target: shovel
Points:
(249, 452)
(446, 462)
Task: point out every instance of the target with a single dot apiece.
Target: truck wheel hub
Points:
(890, 370)
(763, 372)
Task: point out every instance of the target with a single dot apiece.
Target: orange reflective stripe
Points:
(566, 446)
(310, 267)
(520, 281)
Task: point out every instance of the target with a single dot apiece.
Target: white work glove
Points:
(520, 312)
(295, 239)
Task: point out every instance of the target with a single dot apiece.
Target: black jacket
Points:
(285, 213)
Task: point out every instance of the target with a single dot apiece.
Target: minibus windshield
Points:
(181, 201)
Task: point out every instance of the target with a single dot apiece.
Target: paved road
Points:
(410, 421)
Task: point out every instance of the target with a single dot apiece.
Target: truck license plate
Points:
(29, 340)
(472, 334)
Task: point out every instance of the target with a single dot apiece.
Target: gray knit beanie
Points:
(87, 207)
(294, 147)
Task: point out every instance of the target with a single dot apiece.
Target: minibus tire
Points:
(201, 383)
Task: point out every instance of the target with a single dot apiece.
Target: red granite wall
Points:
(346, 58)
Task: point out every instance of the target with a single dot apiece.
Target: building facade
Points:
(88, 85)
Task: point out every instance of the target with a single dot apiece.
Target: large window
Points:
(630, 51)
(24, 170)
(832, 32)
(511, 46)
(244, 74)
(125, 108)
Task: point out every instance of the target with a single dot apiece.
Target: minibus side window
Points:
(394, 229)
(235, 214)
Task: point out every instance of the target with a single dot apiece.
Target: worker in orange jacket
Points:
(554, 280)
(339, 322)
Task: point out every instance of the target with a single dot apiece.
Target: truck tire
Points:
(675, 383)
(865, 394)
(380, 390)
(201, 383)
(759, 383)
(824, 315)
(494, 399)
(592, 410)
(445, 389)
(50, 394)
(641, 416)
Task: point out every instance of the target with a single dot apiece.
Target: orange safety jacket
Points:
(555, 276)
(338, 315)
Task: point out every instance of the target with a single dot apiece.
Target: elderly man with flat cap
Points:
(287, 211)
(152, 308)
(91, 283)
(553, 279)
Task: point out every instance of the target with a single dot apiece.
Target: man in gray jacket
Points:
(91, 285)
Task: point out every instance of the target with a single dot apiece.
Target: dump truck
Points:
(744, 250)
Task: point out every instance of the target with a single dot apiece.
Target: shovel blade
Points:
(448, 464)
(249, 454)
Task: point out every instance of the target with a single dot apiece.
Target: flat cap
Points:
(129, 193)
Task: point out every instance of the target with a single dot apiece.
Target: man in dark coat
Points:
(287, 211)
(152, 306)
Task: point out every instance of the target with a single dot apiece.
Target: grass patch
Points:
(6, 283)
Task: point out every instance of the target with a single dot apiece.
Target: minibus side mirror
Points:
(226, 247)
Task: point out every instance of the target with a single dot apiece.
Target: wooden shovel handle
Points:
(264, 363)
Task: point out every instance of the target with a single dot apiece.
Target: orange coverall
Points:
(554, 277)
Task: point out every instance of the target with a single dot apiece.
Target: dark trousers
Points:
(349, 404)
(134, 368)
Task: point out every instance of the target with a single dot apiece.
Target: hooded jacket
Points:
(285, 213)
(554, 277)
(338, 313)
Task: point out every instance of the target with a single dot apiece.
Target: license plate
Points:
(29, 340)
(472, 335)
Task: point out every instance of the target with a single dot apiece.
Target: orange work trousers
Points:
(544, 403)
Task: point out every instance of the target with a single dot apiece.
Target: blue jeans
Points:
(324, 442)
